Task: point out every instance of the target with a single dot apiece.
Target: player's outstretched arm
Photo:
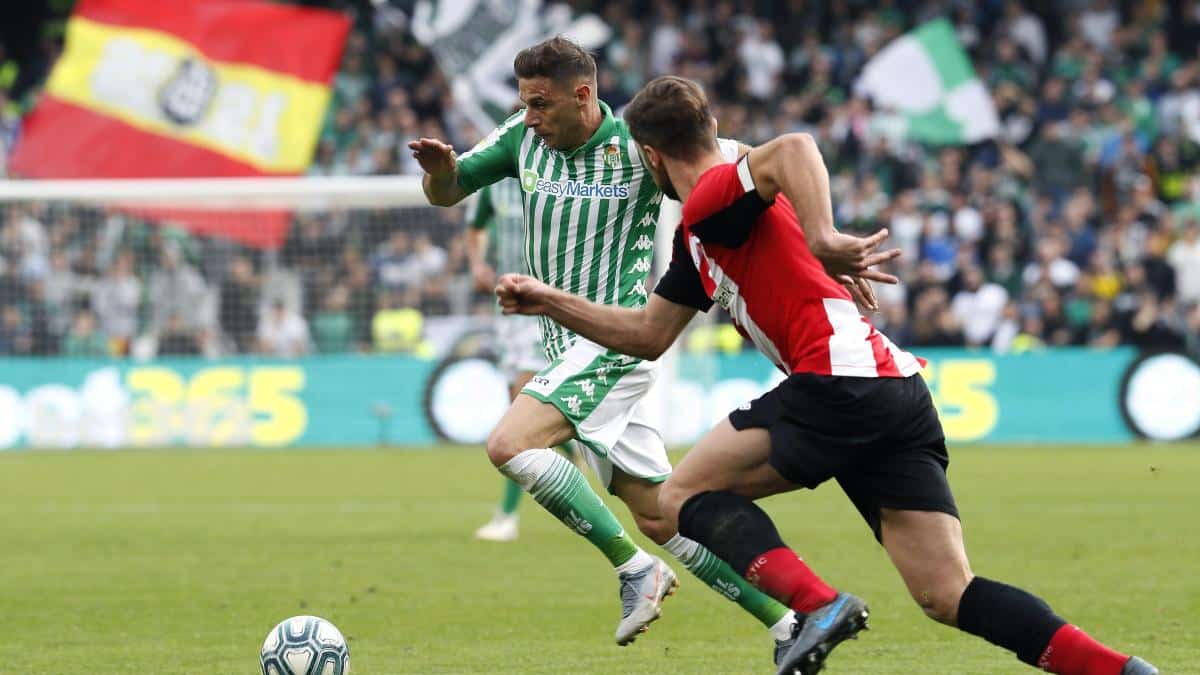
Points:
(440, 182)
(645, 333)
(792, 164)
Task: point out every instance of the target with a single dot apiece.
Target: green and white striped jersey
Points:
(590, 213)
(500, 208)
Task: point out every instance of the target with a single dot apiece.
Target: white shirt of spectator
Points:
(763, 61)
(1184, 257)
(283, 336)
(1097, 25)
(979, 311)
(1063, 273)
(968, 224)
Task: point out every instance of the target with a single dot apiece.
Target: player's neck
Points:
(685, 173)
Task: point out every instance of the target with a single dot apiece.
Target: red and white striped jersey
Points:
(750, 257)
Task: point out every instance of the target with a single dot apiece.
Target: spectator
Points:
(333, 327)
(1184, 258)
(85, 339)
(175, 338)
(176, 289)
(16, 335)
(116, 300)
(239, 302)
(282, 332)
(978, 307)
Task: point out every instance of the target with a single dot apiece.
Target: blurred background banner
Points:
(187, 88)
(475, 42)
(1049, 396)
(928, 78)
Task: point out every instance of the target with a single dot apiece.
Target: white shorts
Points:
(519, 345)
(601, 393)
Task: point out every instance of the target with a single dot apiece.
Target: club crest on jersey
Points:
(612, 156)
(187, 94)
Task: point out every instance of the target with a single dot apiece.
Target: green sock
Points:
(558, 486)
(719, 576)
(511, 498)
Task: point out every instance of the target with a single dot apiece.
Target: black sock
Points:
(1008, 617)
(733, 527)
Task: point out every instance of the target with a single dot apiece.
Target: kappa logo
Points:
(644, 243)
(602, 374)
(589, 389)
(639, 287)
(574, 403)
(642, 265)
(185, 97)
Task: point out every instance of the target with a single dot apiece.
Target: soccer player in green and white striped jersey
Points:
(497, 214)
(590, 213)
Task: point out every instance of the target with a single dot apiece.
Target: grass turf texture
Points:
(180, 561)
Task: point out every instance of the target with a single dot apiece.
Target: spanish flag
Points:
(186, 88)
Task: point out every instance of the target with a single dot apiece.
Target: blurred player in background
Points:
(854, 406)
(496, 214)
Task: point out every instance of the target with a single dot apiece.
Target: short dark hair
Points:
(558, 59)
(671, 115)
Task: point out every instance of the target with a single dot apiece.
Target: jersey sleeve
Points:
(681, 283)
(480, 210)
(729, 149)
(493, 158)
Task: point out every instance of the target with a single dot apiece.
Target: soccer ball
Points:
(305, 645)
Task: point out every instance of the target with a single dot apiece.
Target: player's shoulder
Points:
(717, 188)
(512, 127)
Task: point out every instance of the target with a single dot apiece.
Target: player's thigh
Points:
(725, 459)
(927, 549)
(528, 423)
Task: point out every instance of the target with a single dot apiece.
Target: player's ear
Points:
(583, 93)
(713, 123)
(650, 155)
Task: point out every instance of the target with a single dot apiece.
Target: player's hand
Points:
(484, 277)
(435, 157)
(844, 254)
(521, 294)
(861, 291)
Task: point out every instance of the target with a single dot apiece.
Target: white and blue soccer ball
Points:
(305, 645)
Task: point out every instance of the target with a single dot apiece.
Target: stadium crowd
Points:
(1079, 224)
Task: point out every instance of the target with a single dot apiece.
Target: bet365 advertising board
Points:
(1050, 396)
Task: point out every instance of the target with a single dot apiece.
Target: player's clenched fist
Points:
(435, 157)
(521, 294)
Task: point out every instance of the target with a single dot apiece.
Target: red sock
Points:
(781, 574)
(1073, 652)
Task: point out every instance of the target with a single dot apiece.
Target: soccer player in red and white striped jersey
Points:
(757, 238)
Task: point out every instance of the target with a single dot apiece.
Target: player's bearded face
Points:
(658, 171)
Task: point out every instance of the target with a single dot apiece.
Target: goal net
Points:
(137, 271)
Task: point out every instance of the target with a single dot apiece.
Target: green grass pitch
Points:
(180, 561)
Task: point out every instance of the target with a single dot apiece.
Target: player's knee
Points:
(502, 446)
(656, 528)
(671, 497)
(940, 601)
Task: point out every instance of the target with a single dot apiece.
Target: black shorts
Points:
(879, 437)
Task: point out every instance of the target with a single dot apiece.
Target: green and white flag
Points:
(475, 42)
(926, 77)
